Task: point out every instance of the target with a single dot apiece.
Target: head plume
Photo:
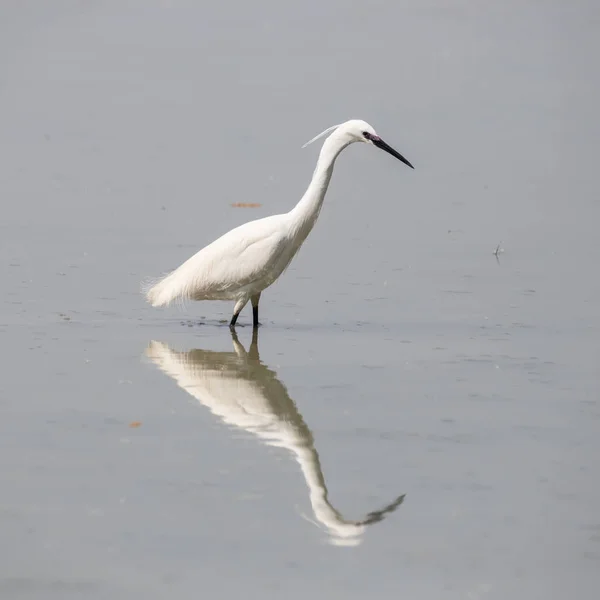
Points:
(328, 130)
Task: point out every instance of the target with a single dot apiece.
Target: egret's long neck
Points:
(305, 213)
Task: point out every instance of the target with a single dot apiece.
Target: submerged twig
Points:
(498, 251)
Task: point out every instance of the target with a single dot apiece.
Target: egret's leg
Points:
(254, 301)
(237, 309)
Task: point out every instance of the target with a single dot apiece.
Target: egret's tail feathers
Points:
(163, 290)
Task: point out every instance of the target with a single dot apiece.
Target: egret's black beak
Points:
(377, 141)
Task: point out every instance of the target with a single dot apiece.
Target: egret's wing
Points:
(247, 256)
(238, 258)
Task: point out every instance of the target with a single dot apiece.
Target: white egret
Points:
(246, 260)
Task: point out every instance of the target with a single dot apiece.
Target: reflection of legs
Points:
(253, 350)
(239, 349)
(252, 353)
(237, 309)
(254, 301)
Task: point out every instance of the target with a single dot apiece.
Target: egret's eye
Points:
(367, 135)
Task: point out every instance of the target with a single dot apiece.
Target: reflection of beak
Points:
(378, 515)
(377, 141)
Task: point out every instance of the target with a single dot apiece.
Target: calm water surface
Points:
(417, 418)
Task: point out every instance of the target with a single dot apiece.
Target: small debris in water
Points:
(135, 424)
(246, 204)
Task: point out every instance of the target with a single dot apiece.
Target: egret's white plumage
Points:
(246, 260)
(246, 394)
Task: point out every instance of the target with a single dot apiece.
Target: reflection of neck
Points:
(294, 435)
(310, 464)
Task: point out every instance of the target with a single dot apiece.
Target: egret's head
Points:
(356, 130)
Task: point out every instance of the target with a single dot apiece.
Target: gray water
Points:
(418, 418)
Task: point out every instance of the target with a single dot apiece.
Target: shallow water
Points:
(417, 416)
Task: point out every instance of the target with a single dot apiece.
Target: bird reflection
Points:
(245, 393)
